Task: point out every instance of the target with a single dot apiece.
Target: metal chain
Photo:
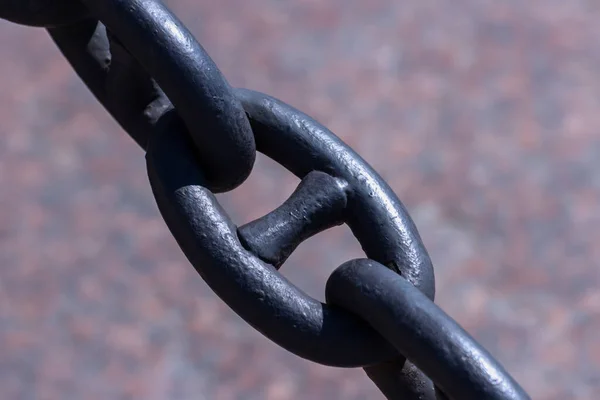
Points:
(201, 136)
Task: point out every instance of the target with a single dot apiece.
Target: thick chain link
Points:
(201, 136)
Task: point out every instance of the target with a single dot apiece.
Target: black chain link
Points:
(201, 136)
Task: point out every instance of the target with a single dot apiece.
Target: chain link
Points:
(201, 136)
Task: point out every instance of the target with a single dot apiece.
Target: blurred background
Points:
(483, 116)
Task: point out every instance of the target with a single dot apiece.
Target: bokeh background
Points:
(483, 116)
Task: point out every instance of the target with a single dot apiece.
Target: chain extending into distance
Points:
(201, 136)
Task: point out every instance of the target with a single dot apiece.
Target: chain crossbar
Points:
(201, 135)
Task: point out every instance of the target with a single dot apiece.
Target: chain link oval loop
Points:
(354, 194)
(251, 287)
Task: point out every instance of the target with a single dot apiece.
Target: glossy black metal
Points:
(87, 48)
(376, 217)
(254, 289)
(204, 99)
(251, 287)
(439, 346)
(317, 204)
(210, 241)
(118, 82)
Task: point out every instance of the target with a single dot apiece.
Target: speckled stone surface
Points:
(484, 116)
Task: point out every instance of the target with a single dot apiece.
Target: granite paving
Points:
(484, 117)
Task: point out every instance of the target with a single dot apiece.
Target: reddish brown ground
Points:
(483, 116)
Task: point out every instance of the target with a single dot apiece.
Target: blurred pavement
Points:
(483, 116)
